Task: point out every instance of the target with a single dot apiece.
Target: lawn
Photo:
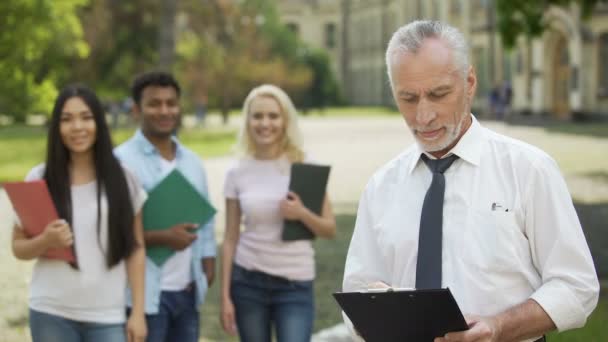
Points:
(330, 257)
(22, 147)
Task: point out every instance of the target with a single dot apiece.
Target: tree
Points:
(524, 17)
(38, 38)
(230, 47)
(124, 37)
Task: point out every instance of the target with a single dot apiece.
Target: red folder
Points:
(34, 206)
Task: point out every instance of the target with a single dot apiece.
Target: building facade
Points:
(561, 73)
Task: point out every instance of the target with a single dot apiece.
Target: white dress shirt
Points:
(510, 231)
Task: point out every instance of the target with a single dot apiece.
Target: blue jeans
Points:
(52, 328)
(261, 299)
(177, 318)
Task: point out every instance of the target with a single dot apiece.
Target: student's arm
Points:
(206, 240)
(323, 225)
(231, 238)
(57, 234)
(136, 272)
(177, 237)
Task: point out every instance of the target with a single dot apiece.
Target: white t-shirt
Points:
(176, 274)
(259, 186)
(93, 293)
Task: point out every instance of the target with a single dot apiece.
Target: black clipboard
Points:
(402, 315)
(309, 181)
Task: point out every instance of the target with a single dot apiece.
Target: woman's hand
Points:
(292, 207)
(57, 234)
(227, 317)
(136, 328)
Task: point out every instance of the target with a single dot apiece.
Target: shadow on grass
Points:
(594, 218)
(18, 322)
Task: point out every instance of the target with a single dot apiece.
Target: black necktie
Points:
(428, 265)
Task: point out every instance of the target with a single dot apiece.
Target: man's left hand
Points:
(208, 265)
(481, 329)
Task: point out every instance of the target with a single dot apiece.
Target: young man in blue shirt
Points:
(175, 290)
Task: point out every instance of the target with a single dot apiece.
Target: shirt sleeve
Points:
(206, 234)
(230, 188)
(364, 262)
(136, 191)
(570, 287)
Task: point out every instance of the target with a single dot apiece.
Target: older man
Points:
(488, 216)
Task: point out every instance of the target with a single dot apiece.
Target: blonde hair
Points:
(291, 144)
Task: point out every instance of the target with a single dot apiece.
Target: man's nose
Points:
(425, 112)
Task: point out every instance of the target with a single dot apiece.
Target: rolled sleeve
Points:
(206, 237)
(570, 287)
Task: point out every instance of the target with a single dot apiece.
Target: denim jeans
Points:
(177, 318)
(52, 328)
(261, 300)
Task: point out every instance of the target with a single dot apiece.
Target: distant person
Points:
(466, 208)
(266, 281)
(176, 290)
(507, 96)
(100, 208)
(201, 110)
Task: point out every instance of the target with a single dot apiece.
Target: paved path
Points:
(355, 147)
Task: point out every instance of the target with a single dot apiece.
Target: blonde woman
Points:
(268, 282)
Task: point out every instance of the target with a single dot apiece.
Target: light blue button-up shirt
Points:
(143, 159)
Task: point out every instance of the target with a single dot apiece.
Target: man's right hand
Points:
(57, 234)
(181, 236)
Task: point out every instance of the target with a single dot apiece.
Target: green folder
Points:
(173, 201)
(309, 182)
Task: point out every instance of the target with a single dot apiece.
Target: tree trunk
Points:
(167, 34)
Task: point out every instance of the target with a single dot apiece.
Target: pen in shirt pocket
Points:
(499, 207)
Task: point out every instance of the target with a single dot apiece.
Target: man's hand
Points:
(208, 265)
(181, 236)
(481, 329)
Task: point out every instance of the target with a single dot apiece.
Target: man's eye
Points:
(437, 96)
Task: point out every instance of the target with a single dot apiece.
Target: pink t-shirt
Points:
(259, 185)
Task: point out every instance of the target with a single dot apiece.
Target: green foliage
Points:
(38, 38)
(123, 36)
(23, 147)
(524, 17)
(323, 90)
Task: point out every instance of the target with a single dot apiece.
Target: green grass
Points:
(594, 331)
(22, 147)
(594, 129)
(352, 112)
(330, 257)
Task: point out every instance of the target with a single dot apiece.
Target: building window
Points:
(293, 27)
(603, 72)
(330, 35)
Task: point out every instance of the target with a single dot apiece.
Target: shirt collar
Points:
(148, 148)
(468, 147)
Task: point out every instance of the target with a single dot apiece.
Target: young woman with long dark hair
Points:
(99, 204)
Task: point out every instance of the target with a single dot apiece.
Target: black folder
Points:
(402, 315)
(309, 182)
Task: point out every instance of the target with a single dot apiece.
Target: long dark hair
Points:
(109, 174)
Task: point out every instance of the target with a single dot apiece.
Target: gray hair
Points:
(409, 38)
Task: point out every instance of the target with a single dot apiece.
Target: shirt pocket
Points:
(493, 241)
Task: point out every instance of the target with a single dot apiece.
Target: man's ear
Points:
(471, 83)
(136, 112)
